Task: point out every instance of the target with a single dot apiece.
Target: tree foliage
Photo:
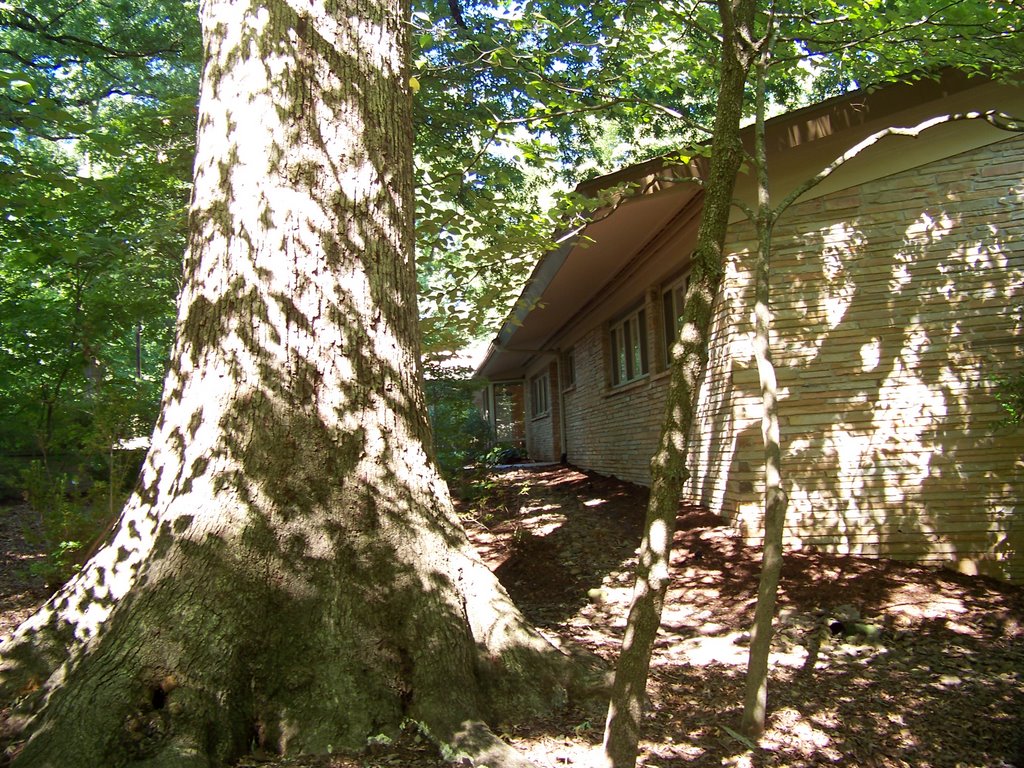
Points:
(97, 122)
(461, 434)
(526, 97)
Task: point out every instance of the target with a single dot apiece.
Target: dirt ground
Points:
(939, 681)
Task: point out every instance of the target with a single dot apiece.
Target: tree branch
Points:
(677, 115)
(28, 22)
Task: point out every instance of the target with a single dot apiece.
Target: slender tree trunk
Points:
(755, 698)
(138, 350)
(668, 471)
(289, 573)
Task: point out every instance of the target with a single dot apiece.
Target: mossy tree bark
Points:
(289, 573)
(668, 470)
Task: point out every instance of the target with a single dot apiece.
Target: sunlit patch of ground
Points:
(939, 683)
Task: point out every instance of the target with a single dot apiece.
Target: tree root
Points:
(474, 744)
(177, 754)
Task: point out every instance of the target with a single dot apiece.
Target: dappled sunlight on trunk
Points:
(291, 560)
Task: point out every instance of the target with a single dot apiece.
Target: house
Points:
(898, 298)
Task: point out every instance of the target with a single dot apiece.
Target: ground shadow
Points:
(940, 685)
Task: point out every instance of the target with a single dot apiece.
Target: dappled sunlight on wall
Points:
(896, 306)
(713, 438)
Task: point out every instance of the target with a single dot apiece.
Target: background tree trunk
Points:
(668, 471)
(755, 698)
(289, 573)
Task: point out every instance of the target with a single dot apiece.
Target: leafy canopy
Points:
(516, 101)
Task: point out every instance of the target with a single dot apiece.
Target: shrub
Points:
(461, 434)
(73, 510)
(504, 453)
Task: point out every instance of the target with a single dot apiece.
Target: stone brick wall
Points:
(543, 435)
(615, 430)
(896, 304)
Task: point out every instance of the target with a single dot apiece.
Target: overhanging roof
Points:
(567, 278)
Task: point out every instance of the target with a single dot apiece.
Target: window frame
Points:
(540, 393)
(673, 301)
(628, 344)
(569, 369)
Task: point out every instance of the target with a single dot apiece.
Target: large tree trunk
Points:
(668, 470)
(289, 573)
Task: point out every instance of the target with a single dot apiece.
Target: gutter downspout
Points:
(563, 448)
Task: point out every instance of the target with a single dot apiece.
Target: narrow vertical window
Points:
(569, 369)
(539, 402)
(673, 301)
(628, 341)
(630, 344)
(640, 344)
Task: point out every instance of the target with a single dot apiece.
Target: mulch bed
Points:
(939, 683)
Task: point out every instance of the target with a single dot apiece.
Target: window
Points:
(628, 338)
(569, 369)
(539, 386)
(509, 412)
(672, 300)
